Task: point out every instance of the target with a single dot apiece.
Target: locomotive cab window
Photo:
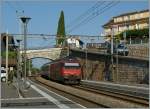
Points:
(71, 65)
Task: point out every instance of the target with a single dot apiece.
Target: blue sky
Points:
(45, 15)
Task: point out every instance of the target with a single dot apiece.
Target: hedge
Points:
(142, 33)
(11, 54)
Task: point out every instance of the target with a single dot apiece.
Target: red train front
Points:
(66, 70)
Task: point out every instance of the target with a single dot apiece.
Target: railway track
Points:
(103, 98)
(141, 92)
(118, 95)
(72, 97)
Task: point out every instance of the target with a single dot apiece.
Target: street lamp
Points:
(16, 48)
(19, 60)
(25, 21)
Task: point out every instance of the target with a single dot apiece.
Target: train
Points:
(66, 70)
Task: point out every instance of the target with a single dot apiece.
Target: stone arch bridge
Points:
(49, 53)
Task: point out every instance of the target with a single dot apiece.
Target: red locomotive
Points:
(65, 70)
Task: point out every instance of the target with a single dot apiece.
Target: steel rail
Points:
(45, 85)
(117, 95)
(132, 91)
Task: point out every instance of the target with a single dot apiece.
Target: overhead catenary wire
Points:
(11, 6)
(19, 5)
(14, 7)
(91, 17)
(45, 36)
(100, 11)
(52, 37)
(89, 11)
(76, 24)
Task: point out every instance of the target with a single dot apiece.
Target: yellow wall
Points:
(122, 27)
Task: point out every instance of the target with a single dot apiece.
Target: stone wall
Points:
(128, 73)
(99, 68)
(139, 50)
(93, 70)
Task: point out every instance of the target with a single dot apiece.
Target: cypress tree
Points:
(61, 30)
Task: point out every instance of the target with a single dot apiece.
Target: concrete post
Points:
(112, 63)
(25, 20)
(6, 57)
(86, 63)
(29, 68)
(130, 39)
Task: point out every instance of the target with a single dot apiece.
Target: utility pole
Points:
(67, 47)
(19, 61)
(18, 66)
(86, 61)
(6, 57)
(0, 52)
(112, 63)
(25, 20)
(117, 66)
(19, 14)
(124, 36)
(29, 68)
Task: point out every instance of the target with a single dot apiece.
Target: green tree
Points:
(35, 70)
(135, 33)
(11, 54)
(28, 64)
(61, 30)
(45, 68)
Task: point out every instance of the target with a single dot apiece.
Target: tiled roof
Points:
(109, 23)
(125, 22)
(130, 13)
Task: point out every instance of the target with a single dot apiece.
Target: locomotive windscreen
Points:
(72, 64)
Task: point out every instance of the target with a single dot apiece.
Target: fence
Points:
(138, 41)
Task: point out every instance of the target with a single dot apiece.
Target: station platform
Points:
(8, 91)
(33, 96)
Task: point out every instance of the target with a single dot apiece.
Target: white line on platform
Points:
(58, 95)
(32, 98)
(50, 98)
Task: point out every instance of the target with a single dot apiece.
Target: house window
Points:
(115, 20)
(136, 16)
(132, 17)
(141, 15)
(126, 18)
(137, 26)
(119, 19)
(146, 14)
(143, 25)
